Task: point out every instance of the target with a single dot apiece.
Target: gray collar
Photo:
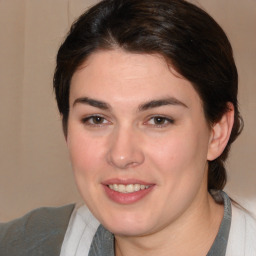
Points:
(103, 240)
(219, 246)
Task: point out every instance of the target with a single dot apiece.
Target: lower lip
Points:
(127, 198)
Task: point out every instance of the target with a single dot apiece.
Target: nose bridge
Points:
(125, 150)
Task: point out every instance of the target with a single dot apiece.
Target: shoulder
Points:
(40, 232)
(242, 237)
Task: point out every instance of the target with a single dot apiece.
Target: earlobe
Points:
(221, 131)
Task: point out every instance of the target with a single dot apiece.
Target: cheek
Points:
(85, 158)
(182, 154)
(85, 152)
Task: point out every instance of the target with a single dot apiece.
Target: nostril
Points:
(124, 162)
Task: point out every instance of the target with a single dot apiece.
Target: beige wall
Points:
(34, 165)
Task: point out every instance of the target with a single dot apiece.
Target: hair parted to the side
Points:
(186, 36)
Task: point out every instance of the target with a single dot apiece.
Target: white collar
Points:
(242, 235)
(80, 232)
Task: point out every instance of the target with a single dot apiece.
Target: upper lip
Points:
(126, 182)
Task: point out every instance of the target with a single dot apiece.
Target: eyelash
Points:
(92, 118)
(164, 121)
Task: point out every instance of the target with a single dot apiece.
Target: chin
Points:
(128, 230)
(129, 225)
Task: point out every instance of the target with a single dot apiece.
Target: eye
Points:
(160, 121)
(95, 120)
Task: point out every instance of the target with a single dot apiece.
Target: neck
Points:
(193, 233)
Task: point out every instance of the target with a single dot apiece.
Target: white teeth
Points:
(121, 188)
(130, 188)
(136, 187)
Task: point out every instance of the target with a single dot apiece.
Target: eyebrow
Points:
(92, 102)
(145, 106)
(161, 102)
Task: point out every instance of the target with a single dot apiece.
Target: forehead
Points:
(129, 78)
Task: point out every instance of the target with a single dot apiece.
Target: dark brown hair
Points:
(186, 36)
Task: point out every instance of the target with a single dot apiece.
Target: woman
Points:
(147, 91)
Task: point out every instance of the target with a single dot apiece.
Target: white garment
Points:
(80, 232)
(242, 235)
(83, 226)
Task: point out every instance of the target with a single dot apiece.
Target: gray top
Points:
(103, 241)
(38, 233)
(219, 246)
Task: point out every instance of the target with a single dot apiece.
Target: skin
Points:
(126, 141)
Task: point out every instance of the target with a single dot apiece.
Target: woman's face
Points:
(138, 141)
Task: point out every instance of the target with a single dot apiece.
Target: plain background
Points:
(34, 165)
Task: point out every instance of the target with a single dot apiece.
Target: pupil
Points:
(97, 119)
(159, 120)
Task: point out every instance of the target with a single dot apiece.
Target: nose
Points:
(125, 149)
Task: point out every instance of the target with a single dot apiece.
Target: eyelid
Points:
(85, 120)
(165, 118)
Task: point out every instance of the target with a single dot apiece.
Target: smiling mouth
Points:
(130, 188)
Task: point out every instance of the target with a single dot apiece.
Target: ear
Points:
(220, 133)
